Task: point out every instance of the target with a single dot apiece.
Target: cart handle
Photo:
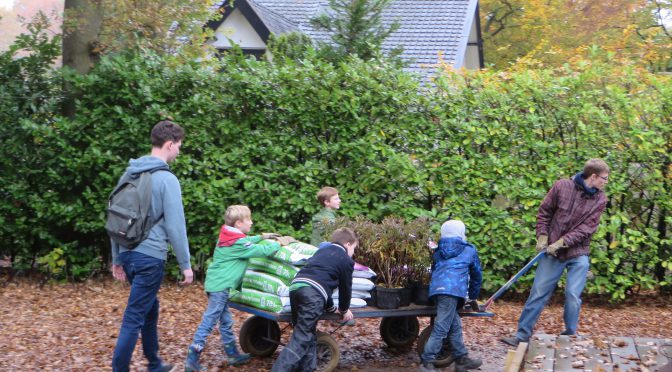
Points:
(512, 280)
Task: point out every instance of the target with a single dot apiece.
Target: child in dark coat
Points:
(310, 297)
(456, 271)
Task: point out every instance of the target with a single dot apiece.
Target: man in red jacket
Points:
(567, 218)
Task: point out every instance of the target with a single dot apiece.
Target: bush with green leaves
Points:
(482, 147)
(500, 140)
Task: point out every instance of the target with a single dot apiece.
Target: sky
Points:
(6, 4)
(12, 11)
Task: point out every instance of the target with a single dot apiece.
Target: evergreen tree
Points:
(356, 28)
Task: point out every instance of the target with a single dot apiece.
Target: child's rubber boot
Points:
(192, 364)
(234, 357)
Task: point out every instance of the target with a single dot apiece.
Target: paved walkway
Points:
(598, 354)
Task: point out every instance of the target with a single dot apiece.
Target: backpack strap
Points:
(152, 171)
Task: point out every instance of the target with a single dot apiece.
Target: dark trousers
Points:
(300, 354)
(142, 311)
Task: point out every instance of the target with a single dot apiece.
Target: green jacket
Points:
(320, 221)
(229, 263)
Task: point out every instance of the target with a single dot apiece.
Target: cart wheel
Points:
(327, 352)
(445, 357)
(259, 336)
(399, 331)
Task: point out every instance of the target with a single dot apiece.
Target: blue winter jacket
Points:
(456, 269)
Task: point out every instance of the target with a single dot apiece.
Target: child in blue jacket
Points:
(456, 271)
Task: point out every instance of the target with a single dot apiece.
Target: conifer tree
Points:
(356, 27)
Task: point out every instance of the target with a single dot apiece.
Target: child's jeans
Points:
(300, 353)
(446, 324)
(218, 310)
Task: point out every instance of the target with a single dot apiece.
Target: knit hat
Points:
(453, 228)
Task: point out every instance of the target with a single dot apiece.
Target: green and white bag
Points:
(261, 300)
(265, 283)
(287, 255)
(302, 248)
(284, 271)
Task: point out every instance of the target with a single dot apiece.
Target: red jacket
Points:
(568, 212)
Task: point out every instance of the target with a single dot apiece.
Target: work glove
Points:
(284, 240)
(553, 248)
(542, 242)
(270, 235)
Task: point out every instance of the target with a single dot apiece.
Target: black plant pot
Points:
(421, 296)
(371, 301)
(405, 296)
(388, 298)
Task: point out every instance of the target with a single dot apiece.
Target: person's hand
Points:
(347, 316)
(284, 240)
(118, 273)
(542, 242)
(188, 277)
(553, 248)
(269, 235)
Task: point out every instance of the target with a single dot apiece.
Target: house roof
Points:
(427, 27)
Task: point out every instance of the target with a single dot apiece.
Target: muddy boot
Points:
(427, 367)
(192, 364)
(234, 357)
(465, 363)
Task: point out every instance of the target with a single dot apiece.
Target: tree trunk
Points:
(82, 22)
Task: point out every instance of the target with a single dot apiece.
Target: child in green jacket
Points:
(225, 273)
(330, 201)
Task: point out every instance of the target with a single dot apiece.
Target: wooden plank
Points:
(623, 353)
(540, 354)
(563, 354)
(362, 312)
(517, 358)
(650, 353)
(509, 360)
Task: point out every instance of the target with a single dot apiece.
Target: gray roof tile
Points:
(426, 26)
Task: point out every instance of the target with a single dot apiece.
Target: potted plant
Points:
(391, 249)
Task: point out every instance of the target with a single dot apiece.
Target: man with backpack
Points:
(139, 250)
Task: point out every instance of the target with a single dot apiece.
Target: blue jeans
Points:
(300, 353)
(446, 324)
(218, 310)
(548, 274)
(145, 274)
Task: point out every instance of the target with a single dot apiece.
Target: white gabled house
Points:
(428, 28)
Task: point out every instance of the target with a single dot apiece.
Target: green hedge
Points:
(482, 147)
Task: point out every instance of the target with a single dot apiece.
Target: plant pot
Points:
(421, 296)
(405, 296)
(388, 298)
(371, 301)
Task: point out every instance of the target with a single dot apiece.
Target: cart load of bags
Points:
(266, 281)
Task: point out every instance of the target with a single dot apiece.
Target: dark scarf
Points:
(580, 181)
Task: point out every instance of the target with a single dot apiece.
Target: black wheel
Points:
(445, 357)
(259, 336)
(327, 352)
(399, 331)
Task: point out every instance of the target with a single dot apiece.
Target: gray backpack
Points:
(129, 208)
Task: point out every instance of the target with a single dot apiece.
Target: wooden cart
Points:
(399, 328)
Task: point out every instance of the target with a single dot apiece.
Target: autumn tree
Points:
(551, 32)
(95, 27)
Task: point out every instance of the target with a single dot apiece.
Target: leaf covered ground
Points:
(74, 327)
